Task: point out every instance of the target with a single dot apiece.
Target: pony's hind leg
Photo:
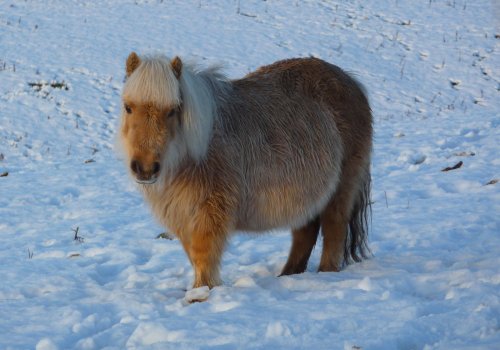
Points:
(334, 230)
(344, 233)
(303, 241)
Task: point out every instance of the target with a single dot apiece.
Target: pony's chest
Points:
(175, 206)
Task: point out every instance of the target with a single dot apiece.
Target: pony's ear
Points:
(176, 66)
(133, 61)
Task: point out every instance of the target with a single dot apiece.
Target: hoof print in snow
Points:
(197, 295)
(454, 82)
(464, 154)
(456, 166)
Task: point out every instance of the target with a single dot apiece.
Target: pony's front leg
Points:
(205, 251)
(204, 243)
(207, 229)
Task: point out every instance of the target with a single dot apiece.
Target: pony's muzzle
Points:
(144, 174)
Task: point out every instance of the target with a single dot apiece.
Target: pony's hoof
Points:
(292, 270)
(197, 295)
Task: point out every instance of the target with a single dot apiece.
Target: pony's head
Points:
(167, 115)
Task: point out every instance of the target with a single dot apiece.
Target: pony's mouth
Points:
(146, 182)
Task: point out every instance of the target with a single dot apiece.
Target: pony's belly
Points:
(279, 208)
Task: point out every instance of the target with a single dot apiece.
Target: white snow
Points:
(197, 294)
(432, 72)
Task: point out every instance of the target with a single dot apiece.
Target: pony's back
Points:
(291, 130)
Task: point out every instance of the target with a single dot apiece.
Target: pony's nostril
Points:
(136, 167)
(156, 168)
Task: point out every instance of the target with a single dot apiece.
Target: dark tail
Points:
(356, 243)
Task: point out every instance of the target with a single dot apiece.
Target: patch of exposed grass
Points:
(38, 86)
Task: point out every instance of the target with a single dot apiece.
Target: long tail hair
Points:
(356, 243)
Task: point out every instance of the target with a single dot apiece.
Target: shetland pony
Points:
(288, 145)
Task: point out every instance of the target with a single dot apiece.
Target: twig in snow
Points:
(77, 238)
(246, 15)
(456, 166)
(166, 235)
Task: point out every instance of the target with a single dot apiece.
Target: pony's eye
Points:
(128, 109)
(172, 112)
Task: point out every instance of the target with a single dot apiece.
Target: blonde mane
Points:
(154, 81)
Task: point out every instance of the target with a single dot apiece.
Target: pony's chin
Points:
(146, 182)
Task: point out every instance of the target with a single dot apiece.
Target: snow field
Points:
(431, 70)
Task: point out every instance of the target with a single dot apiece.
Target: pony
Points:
(286, 146)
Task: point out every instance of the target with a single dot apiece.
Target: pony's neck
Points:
(200, 91)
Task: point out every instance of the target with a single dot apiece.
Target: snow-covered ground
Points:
(432, 69)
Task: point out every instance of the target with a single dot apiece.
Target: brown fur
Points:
(288, 146)
(177, 66)
(132, 63)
